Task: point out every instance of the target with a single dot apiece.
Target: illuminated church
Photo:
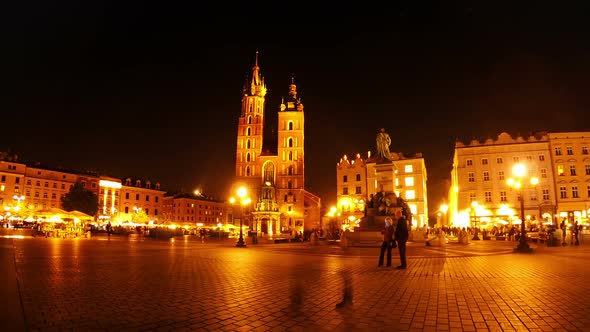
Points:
(271, 166)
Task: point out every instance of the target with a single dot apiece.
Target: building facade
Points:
(359, 179)
(272, 167)
(571, 171)
(483, 177)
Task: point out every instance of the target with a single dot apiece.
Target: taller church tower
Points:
(272, 168)
(250, 131)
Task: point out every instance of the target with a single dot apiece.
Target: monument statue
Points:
(383, 143)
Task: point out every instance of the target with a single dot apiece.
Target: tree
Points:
(81, 199)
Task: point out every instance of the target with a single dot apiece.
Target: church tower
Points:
(272, 168)
(250, 131)
(291, 178)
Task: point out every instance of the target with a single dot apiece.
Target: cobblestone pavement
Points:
(122, 284)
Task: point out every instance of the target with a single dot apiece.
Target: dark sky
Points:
(154, 89)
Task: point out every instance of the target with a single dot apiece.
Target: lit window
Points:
(409, 168)
(413, 208)
(560, 170)
(409, 181)
(410, 194)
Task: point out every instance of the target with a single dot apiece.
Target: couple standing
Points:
(394, 237)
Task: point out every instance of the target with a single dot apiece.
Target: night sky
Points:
(153, 90)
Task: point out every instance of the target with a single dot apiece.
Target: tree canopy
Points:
(81, 199)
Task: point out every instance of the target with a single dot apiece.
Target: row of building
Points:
(27, 190)
(544, 178)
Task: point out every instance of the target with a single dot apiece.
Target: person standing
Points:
(387, 243)
(401, 237)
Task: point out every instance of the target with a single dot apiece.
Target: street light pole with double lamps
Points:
(519, 171)
(242, 193)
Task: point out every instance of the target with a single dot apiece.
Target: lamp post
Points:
(519, 171)
(474, 205)
(444, 209)
(242, 193)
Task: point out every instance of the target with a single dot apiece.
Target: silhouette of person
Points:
(401, 236)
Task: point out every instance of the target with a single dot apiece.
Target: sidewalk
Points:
(11, 312)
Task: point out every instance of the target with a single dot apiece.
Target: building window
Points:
(409, 168)
(503, 196)
(409, 181)
(560, 170)
(28, 182)
(471, 177)
(569, 150)
(38, 183)
(501, 175)
(544, 173)
(36, 194)
(358, 190)
(516, 159)
(529, 158)
(558, 151)
(410, 194)
(45, 195)
(137, 197)
(572, 170)
(587, 168)
(156, 200)
(345, 191)
(63, 186)
(147, 199)
(358, 177)
(484, 161)
(488, 196)
(575, 193)
(486, 176)
(469, 162)
(584, 150)
(541, 157)
(53, 196)
(345, 178)
(545, 194)
(472, 197)
(499, 160)
(563, 192)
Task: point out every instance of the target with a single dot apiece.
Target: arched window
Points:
(247, 157)
(249, 120)
(290, 125)
(290, 155)
(248, 131)
(289, 184)
(290, 142)
(248, 171)
(290, 170)
(248, 144)
(269, 173)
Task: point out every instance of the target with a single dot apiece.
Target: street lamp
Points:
(444, 209)
(242, 192)
(519, 171)
(474, 205)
